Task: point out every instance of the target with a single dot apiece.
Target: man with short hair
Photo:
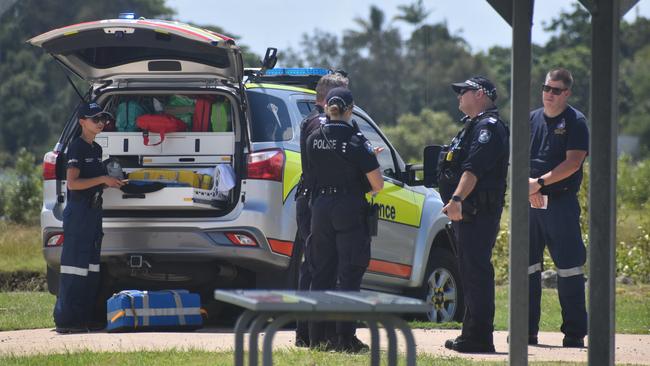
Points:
(559, 140)
(472, 182)
(305, 186)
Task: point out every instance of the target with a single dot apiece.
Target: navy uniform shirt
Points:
(309, 125)
(486, 151)
(550, 138)
(340, 156)
(88, 159)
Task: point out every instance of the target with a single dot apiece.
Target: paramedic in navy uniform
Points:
(82, 225)
(559, 142)
(345, 168)
(472, 184)
(303, 193)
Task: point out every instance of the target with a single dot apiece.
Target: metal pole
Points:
(605, 18)
(522, 17)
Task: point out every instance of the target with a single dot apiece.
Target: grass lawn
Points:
(20, 248)
(28, 310)
(280, 357)
(632, 311)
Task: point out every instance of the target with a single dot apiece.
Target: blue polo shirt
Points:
(88, 159)
(550, 138)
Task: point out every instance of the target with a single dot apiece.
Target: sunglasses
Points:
(463, 91)
(102, 120)
(553, 90)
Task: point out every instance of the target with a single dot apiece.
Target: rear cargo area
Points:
(176, 151)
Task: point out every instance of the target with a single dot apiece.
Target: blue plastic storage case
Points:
(135, 310)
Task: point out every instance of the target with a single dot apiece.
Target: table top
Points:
(321, 301)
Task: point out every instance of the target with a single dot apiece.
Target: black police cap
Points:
(477, 83)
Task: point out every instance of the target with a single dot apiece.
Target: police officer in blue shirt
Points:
(472, 181)
(559, 141)
(345, 168)
(312, 122)
(82, 225)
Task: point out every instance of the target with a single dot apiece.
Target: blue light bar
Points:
(297, 71)
(126, 16)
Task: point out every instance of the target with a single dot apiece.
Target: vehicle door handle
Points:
(133, 195)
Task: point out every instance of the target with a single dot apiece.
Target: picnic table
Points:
(277, 308)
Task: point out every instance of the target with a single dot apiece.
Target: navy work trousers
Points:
(79, 280)
(558, 227)
(339, 250)
(475, 241)
(303, 221)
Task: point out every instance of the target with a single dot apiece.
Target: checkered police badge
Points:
(484, 136)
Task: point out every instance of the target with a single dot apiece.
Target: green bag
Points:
(126, 115)
(220, 119)
(181, 107)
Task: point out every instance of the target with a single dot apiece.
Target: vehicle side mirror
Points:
(270, 58)
(431, 155)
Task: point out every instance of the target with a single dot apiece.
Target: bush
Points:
(22, 194)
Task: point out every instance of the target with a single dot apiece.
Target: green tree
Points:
(23, 192)
(413, 132)
(414, 13)
(373, 57)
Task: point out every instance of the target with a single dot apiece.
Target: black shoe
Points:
(469, 346)
(573, 342)
(71, 330)
(449, 343)
(325, 346)
(353, 345)
(302, 341)
(96, 326)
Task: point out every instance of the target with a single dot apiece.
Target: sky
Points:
(280, 23)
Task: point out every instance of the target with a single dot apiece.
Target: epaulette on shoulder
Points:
(492, 120)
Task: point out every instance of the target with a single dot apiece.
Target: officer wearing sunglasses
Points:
(559, 143)
(82, 225)
(472, 183)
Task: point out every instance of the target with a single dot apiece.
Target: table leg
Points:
(254, 332)
(267, 348)
(240, 328)
(408, 336)
(392, 340)
(374, 342)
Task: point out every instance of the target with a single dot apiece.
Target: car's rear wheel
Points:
(442, 288)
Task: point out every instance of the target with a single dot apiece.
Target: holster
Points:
(96, 200)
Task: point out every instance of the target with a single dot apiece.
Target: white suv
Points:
(192, 235)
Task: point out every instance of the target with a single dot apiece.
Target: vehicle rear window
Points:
(271, 119)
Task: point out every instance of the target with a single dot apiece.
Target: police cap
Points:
(90, 110)
(477, 83)
(341, 97)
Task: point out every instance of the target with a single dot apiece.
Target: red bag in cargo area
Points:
(159, 123)
(202, 112)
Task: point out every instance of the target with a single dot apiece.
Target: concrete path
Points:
(630, 349)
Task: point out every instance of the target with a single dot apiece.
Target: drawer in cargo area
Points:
(181, 198)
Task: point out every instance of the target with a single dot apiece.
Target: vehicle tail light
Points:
(49, 165)
(267, 165)
(242, 239)
(55, 240)
(281, 247)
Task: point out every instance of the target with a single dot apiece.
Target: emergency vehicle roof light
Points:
(297, 71)
(126, 16)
